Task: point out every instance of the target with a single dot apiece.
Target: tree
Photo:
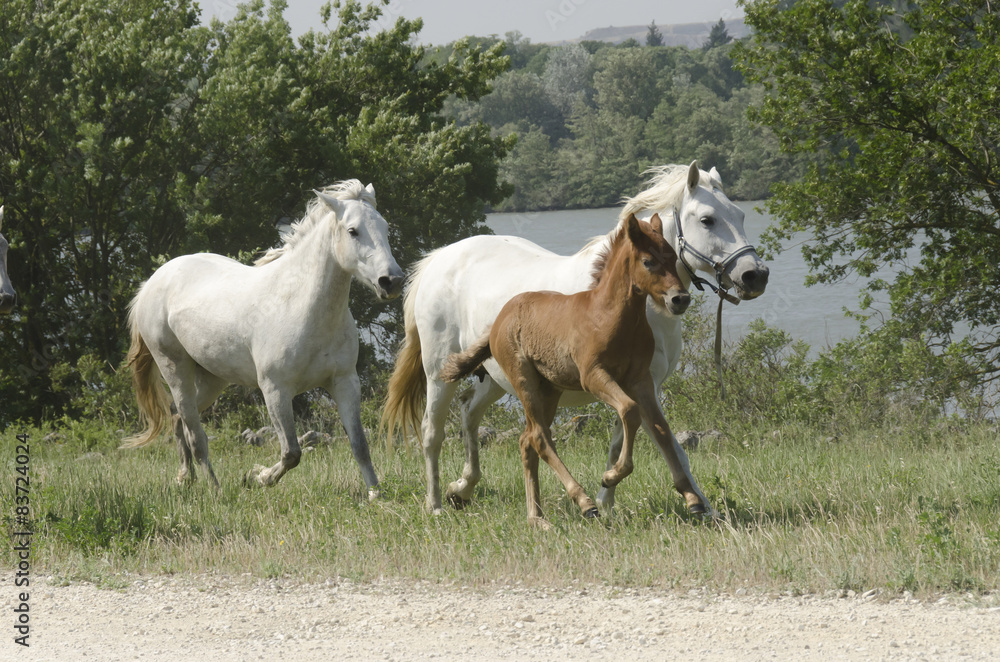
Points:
(653, 35)
(906, 99)
(566, 77)
(719, 36)
(135, 135)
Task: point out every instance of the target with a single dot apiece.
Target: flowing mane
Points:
(664, 190)
(601, 263)
(349, 189)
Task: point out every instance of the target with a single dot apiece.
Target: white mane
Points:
(349, 189)
(664, 190)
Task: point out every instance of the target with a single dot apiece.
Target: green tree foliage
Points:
(611, 111)
(653, 36)
(719, 36)
(133, 135)
(907, 101)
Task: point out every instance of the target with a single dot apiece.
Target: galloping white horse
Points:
(7, 294)
(204, 321)
(456, 292)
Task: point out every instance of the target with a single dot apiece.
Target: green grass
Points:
(892, 510)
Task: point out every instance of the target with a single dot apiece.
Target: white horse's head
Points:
(703, 226)
(361, 237)
(7, 295)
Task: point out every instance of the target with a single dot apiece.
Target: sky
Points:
(538, 20)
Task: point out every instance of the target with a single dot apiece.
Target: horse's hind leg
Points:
(483, 394)
(439, 397)
(346, 392)
(190, 387)
(540, 400)
(279, 407)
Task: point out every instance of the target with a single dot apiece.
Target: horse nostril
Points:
(391, 284)
(681, 300)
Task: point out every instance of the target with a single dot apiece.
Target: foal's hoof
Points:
(591, 513)
(373, 495)
(457, 502)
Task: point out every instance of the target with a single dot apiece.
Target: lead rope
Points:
(700, 283)
(718, 349)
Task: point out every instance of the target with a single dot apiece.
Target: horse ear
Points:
(713, 174)
(1, 216)
(333, 203)
(694, 175)
(656, 223)
(370, 188)
(634, 231)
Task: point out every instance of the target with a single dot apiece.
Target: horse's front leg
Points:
(602, 385)
(279, 406)
(680, 469)
(606, 495)
(346, 392)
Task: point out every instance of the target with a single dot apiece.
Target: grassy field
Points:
(803, 512)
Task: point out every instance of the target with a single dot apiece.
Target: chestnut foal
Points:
(596, 341)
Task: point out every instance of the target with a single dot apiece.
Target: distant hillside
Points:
(692, 35)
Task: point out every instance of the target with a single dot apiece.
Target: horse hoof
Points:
(540, 523)
(697, 509)
(592, 513)
(457, 502)
(251, 479)
(373, 495)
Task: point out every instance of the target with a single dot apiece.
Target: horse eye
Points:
(649, 264)
(707, 221)
(352, 231)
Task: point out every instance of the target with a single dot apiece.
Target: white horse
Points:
(456, 292)
(204, 321)
(7, 294)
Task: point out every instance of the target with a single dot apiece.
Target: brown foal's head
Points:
(654, 265)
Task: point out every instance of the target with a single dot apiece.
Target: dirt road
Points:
(236, 618)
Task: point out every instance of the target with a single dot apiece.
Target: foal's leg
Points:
(279, 407)
(439, 396)
(346, 392)
(484, 394)
(541, 400)
(601, 384)
(680, 469)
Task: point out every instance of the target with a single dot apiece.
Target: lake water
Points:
(813, 314)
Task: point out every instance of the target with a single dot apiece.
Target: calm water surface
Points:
(813, 314)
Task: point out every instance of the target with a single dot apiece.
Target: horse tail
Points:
(408, 383)
(465, 363)
(154, 403)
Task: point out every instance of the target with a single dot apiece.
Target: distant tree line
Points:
(591, 117)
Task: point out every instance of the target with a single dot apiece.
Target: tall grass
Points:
(802, 511)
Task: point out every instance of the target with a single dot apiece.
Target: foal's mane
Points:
(349, 189)
(615, 238)
(664, 190)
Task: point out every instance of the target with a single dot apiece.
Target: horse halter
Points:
(719, 266)
(699, 282)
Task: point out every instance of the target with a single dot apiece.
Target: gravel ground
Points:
(237, 618)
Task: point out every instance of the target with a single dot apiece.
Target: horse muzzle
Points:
(676, 302)
(390, 287)
(7, 301)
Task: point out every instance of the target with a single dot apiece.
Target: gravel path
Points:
(236, 618)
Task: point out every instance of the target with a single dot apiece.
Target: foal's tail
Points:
(154, 403)
(408, 384)
(465, 363)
